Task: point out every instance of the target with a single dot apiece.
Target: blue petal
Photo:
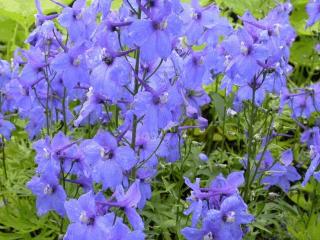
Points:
(134, 219)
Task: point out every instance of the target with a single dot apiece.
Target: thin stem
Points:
(64, 111)
(136, 89)
(250, 143)
(155, 70)
(257, 165)
(153, 152)
(4, 159)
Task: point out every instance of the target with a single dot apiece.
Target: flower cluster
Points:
(132, 74)
(219, 207)
(257, 56)
(313, 10)
(130, 82)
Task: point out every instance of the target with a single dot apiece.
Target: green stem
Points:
(4, 160)
(136, 89)
(257, 166)
(64, 187)
(64, 111)
(250, 144)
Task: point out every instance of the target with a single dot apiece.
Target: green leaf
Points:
(303, 53)
(257, 7)
(299, 18)
(219, 104)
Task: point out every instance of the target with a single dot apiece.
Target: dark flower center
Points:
(108, 60)
(48, 189)
(109, 155)
(156, 25)
(85, 219)
(197, 15)
(156, 100)
(151, 3)
(229, 217)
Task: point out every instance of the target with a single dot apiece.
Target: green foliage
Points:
(18, 219)
(16, 21)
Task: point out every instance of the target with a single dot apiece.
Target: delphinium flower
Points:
(129, 82)
(196, 69)
(203, 157)
(310, 136)
(220, 208)
(302, 101)
(50, 194)
(313, 10)
(157, 106)
(43, 34)
(6, 127)
(283, 173)
(90, 219)
(72, 67)
(204, 24)
(226, 222)
(113, 161)
(5, 73)
(314, 155)
(79, 22)
(33, 71)
(257, 55)
(302, 104)
(155, 34)
(263, 161)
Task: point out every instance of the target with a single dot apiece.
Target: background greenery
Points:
(278, 216)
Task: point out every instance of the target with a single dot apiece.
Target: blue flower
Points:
(226, 222)
(155, 36)
(109, 162)
(313, 10)
(222, 223)
(50, 195)
(72, 65)
(79, 23)
(282, 174)
(6, 127)
(86, 222)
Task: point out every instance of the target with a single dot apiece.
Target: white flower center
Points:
(48, 190)
(276, 28)
(164, 97)
(46, 153)
(231, 217)
(243, 48)
(84, 218)
(208, 236)
(76, 61)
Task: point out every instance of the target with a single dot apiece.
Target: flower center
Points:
(230, 217)
(48, 190)
(85, 219)
(46, 153)
(159, 25)
(76, 62)
(151, 3)
(106, 155)
(197, 15)
(244, 49)
(208, 236)
(197, 60)
(108, 60)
